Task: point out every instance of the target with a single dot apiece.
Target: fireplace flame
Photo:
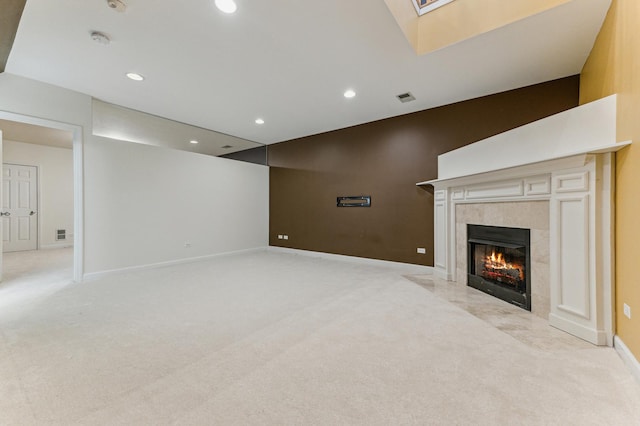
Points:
(496, 262)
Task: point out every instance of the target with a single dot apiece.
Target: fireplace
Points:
(499, 263)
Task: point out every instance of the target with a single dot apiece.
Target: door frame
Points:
(78, 182)
(38, 197)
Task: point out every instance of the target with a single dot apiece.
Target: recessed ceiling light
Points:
(259, 121)
(135, 76)
(227, 6)
(349, 94)
(195, 142)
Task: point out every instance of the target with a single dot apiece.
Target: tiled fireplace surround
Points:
(556, 178)
(533, 215)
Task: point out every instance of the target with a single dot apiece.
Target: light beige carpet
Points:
(270, 338)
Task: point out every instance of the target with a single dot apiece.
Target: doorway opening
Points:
(42, 198)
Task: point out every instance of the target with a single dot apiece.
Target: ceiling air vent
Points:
(406, 97)
(226, 147)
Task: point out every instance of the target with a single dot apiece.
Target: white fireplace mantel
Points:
(567, 160)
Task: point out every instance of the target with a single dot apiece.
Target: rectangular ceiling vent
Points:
(406, 97)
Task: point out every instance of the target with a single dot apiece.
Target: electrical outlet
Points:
(286, 237)
(187, 245)
(422, 250)
(280, 236)
(627, 311)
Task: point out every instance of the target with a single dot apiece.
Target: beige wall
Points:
(614, 67)
(461, 19)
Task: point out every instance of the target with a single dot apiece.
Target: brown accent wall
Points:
(385, 159)
(257, 155)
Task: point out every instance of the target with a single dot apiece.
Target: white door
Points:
(19, 207)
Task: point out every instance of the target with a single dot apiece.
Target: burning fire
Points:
(497, 268)
(497, 260)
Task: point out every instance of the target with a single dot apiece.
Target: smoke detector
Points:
(100, 37)
(117, 5)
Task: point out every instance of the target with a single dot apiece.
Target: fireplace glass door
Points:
(499, 263)
(502, 265)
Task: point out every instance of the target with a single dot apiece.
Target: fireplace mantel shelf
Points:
(614, 147)
(587, 129)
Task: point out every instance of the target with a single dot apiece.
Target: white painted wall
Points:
(51, 106)
(55, 179)
(143, 203)
(29, 97)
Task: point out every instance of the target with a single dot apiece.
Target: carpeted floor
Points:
(274, 338)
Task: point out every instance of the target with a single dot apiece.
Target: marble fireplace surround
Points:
(533, 215)
(556, 177)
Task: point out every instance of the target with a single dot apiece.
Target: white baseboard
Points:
(442, 274)
(405, 267)
(627, 357)
(408, 268)
(101, 274)
(56, 246)
(596, 337)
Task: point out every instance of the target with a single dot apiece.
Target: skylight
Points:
(424, 6)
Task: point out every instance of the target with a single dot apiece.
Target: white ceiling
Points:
(285, 61)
